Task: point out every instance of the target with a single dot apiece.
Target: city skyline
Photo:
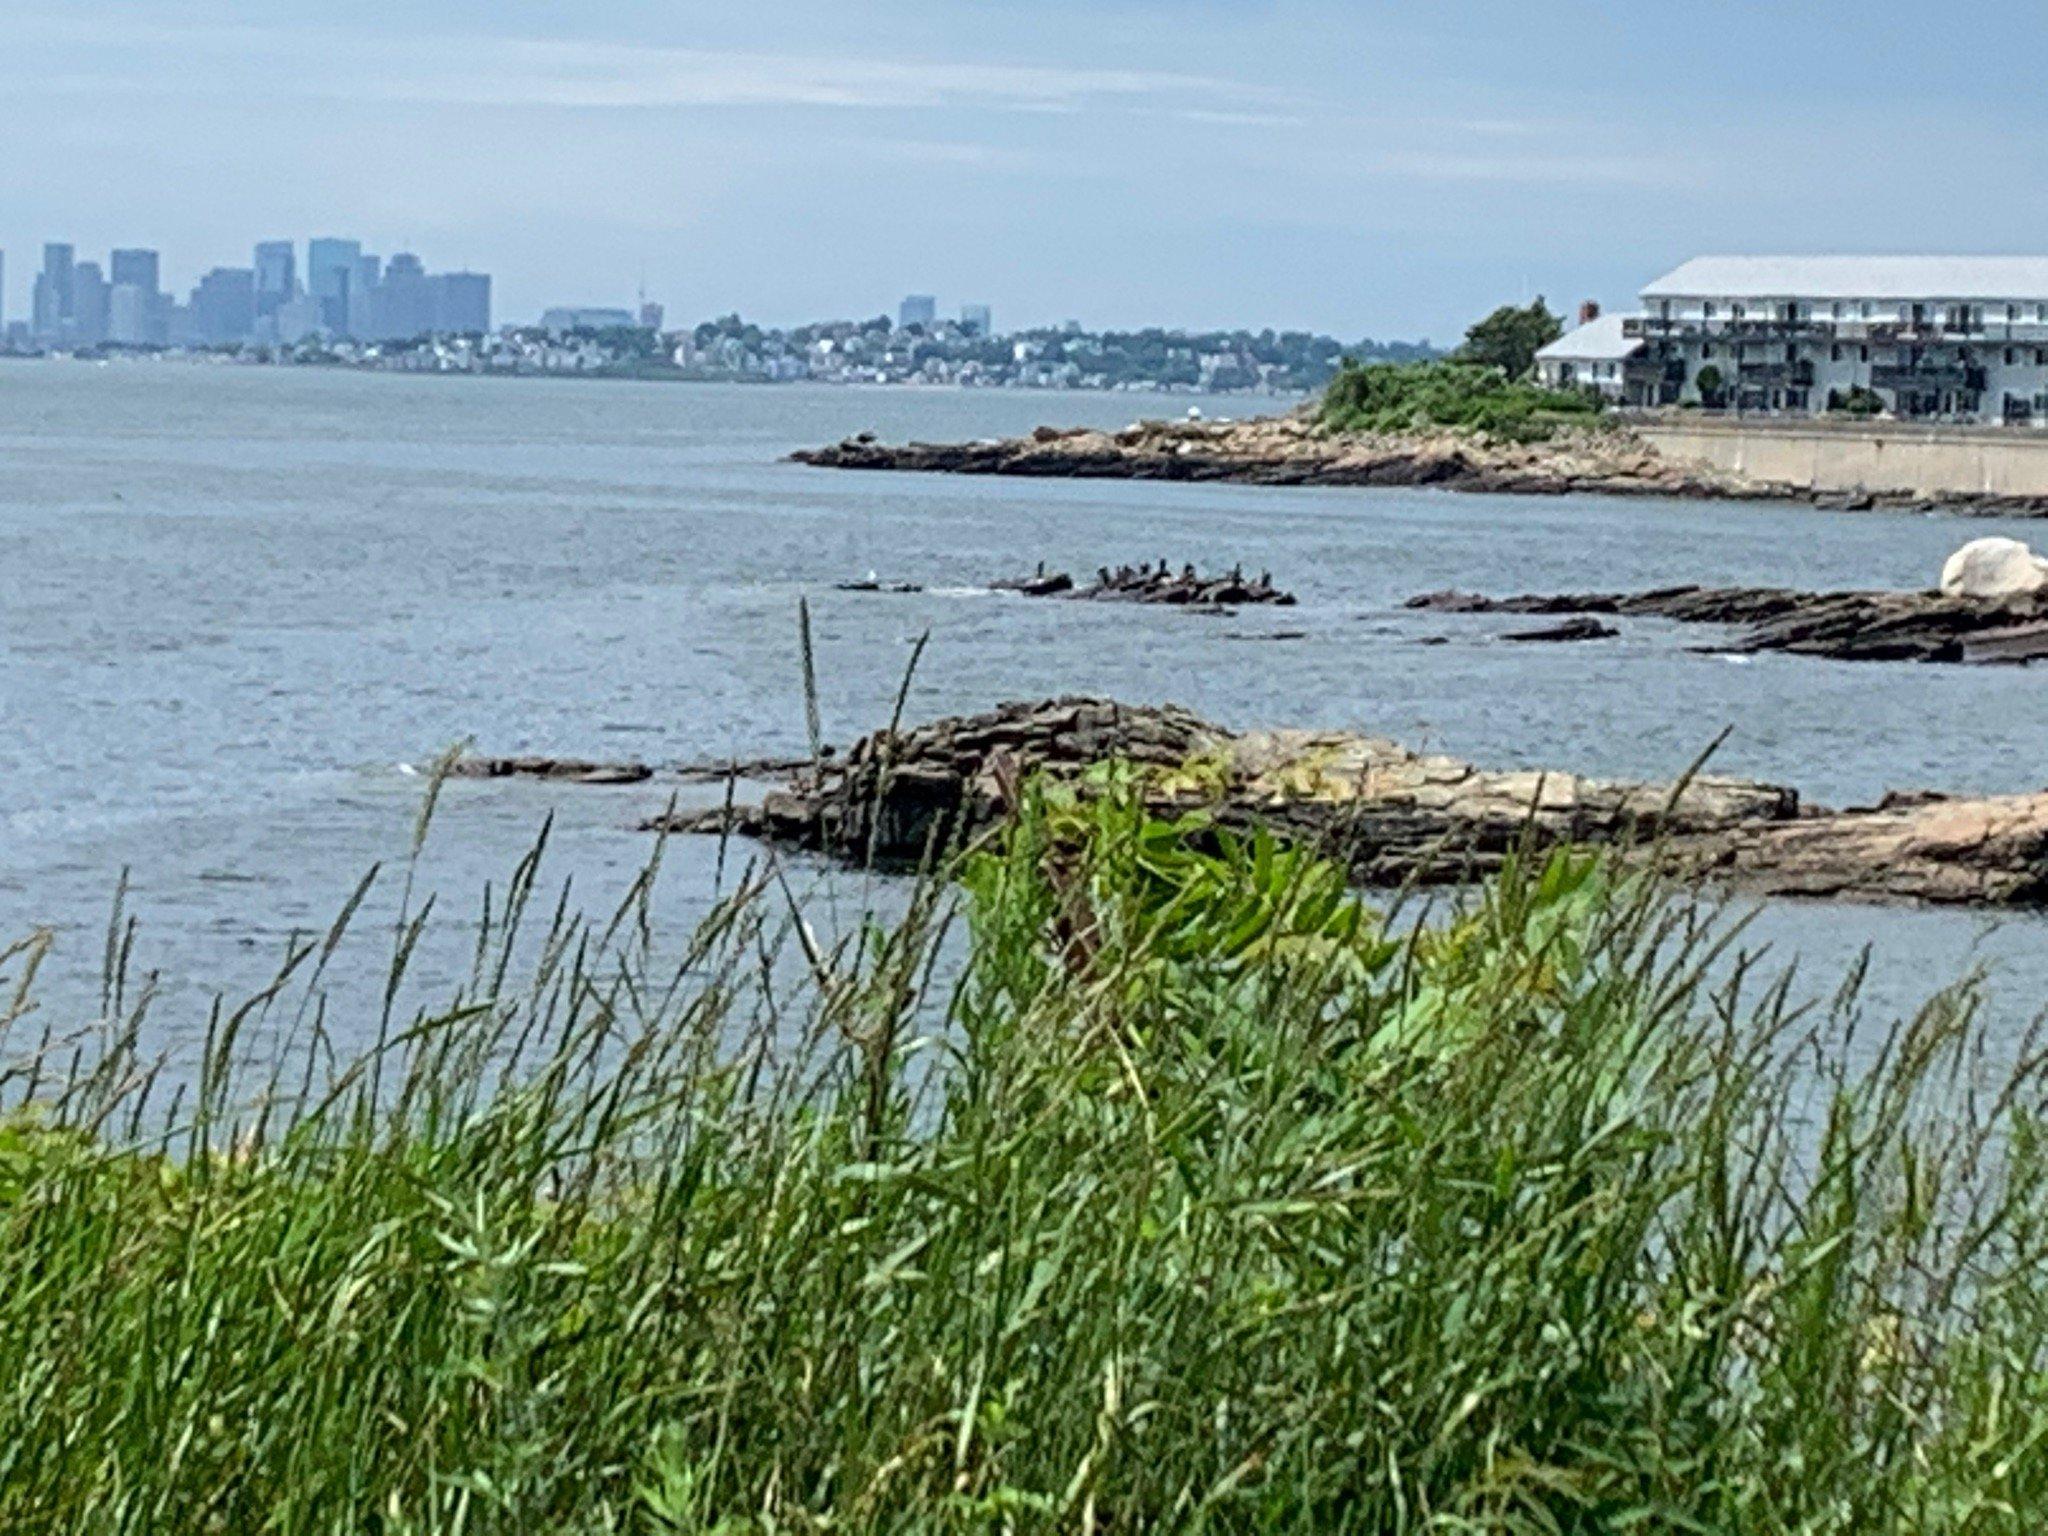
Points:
(347, 293)
(1378, 171)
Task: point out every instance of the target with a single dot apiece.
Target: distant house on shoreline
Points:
(1595, 356)
(1941, 338)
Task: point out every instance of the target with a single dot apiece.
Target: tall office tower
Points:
(363, 279)
(651, 315)
(52, 312)
(131, 315)
(404, 306)
(974, 319)
(277, 275)
(88, 304)
(462, 303)
(330, 269)
(138, 268)
(918, 309)
(135, 321)
(224, 306)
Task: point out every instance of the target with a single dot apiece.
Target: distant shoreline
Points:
(649, 376)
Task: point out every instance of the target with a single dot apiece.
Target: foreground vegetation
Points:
(1463, 396)
(1177, 1190)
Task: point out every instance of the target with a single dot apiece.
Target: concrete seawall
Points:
(1888, 458)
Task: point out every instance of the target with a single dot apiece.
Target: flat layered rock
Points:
(1845, 626)
(1394, 815)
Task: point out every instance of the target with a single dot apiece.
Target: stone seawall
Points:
(1986, 465)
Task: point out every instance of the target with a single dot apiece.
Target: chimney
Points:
(1589, 312)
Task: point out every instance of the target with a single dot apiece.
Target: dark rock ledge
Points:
(1394, 815)
(1846, 626)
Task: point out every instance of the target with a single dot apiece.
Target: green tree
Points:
(1509, 338)
(1709, 382)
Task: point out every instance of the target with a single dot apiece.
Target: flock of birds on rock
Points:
(1156, 583)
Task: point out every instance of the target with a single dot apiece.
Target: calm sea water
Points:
(237, 604)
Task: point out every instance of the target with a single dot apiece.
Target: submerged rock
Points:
(571, 770)
(1570, 629)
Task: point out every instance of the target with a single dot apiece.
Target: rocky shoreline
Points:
(1842, 626)
(1296, 450)
(1393, 815)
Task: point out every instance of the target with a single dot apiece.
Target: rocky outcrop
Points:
(1296, 450)
(1395, 816)
(1845, 626)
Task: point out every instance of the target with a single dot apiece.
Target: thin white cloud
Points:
(460, 70)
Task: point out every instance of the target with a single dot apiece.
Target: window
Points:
(1866, 355)
(1707, 350)
(1836, 355)
(1869, 309)
(1735, 311)
(1838, 309)
(2011, 356)
(2012, 313)
(1707, 309)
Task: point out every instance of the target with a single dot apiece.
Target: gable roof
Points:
(1856, 277)
(1597, 341)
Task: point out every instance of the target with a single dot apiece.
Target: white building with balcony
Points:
(1955, 338)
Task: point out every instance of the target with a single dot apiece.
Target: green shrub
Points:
(1469, 397)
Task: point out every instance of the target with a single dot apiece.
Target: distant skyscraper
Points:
(88, 304)
(277, 275)
(224, 306)
(3, 293)
(651, 315)
(330, 268)
(136, 268)
(918, 309)
(51, 315)
(131, 315)
(462, 302)
(363, 281)
(402, 307)
(974, 319)
(297, 318)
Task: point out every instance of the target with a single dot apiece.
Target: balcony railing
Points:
(1927, 378)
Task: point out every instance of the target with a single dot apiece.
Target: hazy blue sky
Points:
(1366, 168)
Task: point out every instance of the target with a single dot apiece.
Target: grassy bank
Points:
(1183, 1195)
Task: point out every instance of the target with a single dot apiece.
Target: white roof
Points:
(1598, 341)
(1856, 277)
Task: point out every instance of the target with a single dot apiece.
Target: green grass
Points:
(1166, 1187)
(1469, 397)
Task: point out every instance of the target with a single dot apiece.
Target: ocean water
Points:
(239, 608)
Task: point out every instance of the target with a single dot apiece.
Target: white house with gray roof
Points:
(1959, 338)
(1595, 356)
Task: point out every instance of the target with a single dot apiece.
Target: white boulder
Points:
(1993, 568)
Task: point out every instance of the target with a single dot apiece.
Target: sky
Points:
(1364, 169)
